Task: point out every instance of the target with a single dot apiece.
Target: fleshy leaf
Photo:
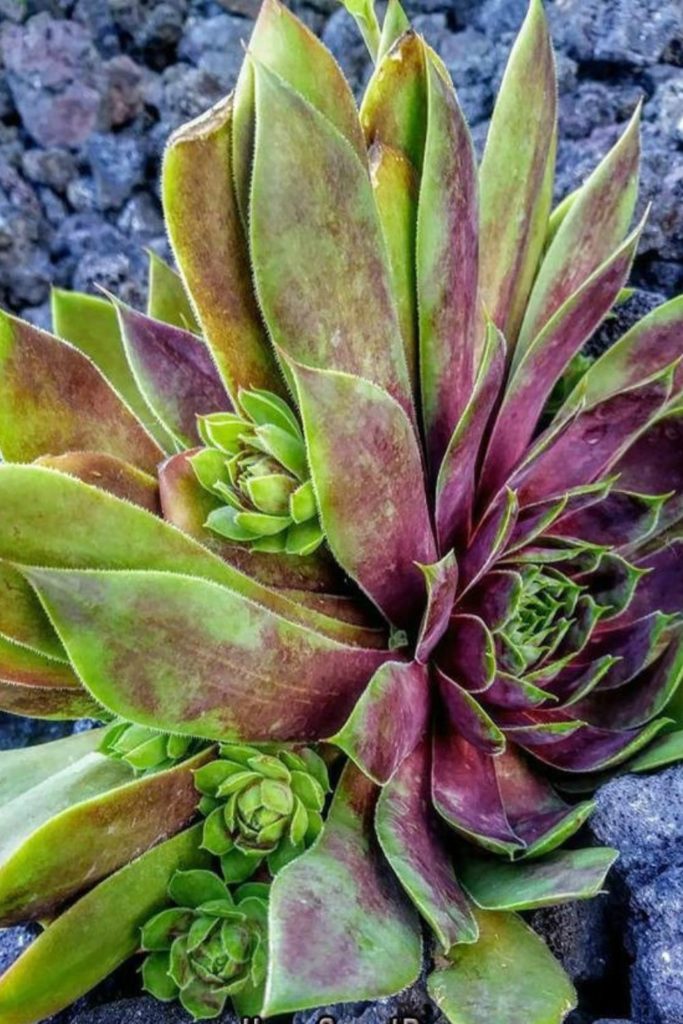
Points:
(22, 619)
(95, 834)
(340, 927)
(76, 952)
(561, 877)
(467, 716)
(446, 264)
(441, 579)
(394, 25)
(467, 653)
(413, 843)
(53, 399)
(25, 767)
(388, 720)
(516, 175)
(40, 687)
(109, 474)
(183, 655)
(665, 750)
(394, 108)
(372, 501)
(652, 463)
(167, 299)
(508, 975)
(323, 318)
(91, 324)
(206, 234)
(595, 225)
(174, 371)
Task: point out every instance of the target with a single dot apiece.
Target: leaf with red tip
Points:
(53, 399)
(167, 299)
(467, 652)
(446, 264)
(285, 45)
(109, 474)
(594, 226)
(593, 441)
(91, 324)
(184, 655)
(558, 878)
(455, 486)
(340, 927)
(394, 108)
(516, 175)
(396, 186)
(174, 372)
(324, 317)
(467, 716)
(206, 234)
(78, 832)
(187, 505)
(76, 951)
(371, 498)
(441, 579)
(414, 844)
(40, 687)
(509, 976)
(546, 358)
(388, 719)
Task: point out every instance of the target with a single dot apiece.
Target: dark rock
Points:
(13, 941)
(184, 93)
(499, 17)
(622, 319)
(53, 167)
(250, 8)
(124, 97)
(141, 218)
(39, 316)
(475, 65)
(118, 166)
(579, 936)
(55, 76)
(613, 1020)
(121, 273)
(160, 30)
(54, 208)
(24, 732)
(216, 45)
(632, 32)
(144, 1010)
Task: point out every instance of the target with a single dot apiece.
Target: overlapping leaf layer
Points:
(348, 481)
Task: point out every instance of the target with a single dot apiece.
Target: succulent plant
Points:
(491, 622)
(208, 946)
(145, 749)
(260, 803)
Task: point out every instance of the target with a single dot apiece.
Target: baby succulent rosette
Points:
(346, 496)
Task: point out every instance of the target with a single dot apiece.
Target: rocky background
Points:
(89, 91)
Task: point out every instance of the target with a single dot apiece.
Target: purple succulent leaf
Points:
(456, 482)
(441, 579)
(507, 691)
(371, 499)
(340, 926)
(646, 696)
(633, 646)
(621, 519)
(413, 842)
(174, 372)
(653, 343)
(574, 682)
(494, 598)
(467, 717)
(184, 655)
(594, 227)
(593, 441)
(489, 540)
(388, 720)
(662, 585)
(544, 362)
(467, 653)
(446, 264)
(553, 738)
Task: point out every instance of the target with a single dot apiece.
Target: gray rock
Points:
(39, 316)
(13, 941)
(160, 29)
(55, 76)
(642, 816)
(124, 96)
(613, 1020)
(53, 167)
(184, 92)
(144, 1010)
(216, 45)
(631, 32)
(121, 273)
(656, 934)
(342, 38)
(82, 194)
(24, 732)
(141, 218)
(118, 166)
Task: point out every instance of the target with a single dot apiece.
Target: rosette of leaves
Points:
(261, 804)
(145, 749)
(208, 947)
(258, 467)
(493, 621)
